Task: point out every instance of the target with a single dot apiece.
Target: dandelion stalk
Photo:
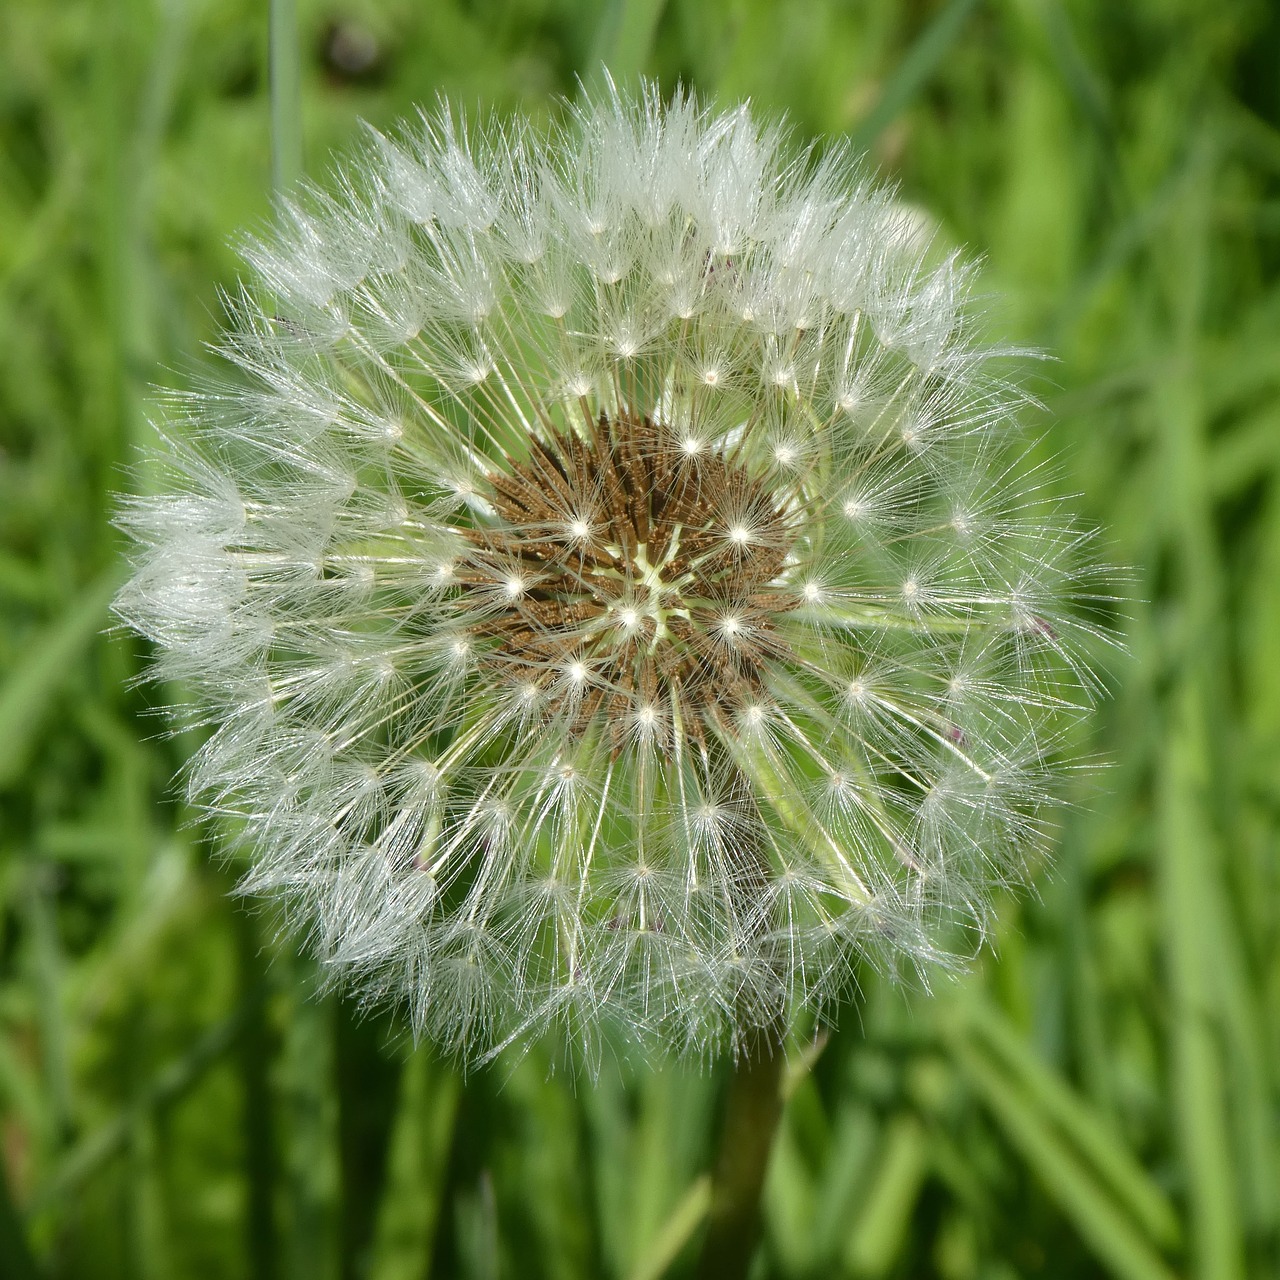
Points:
(753, 1107)
(613, 582)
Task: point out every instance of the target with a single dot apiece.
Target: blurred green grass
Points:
(1102, 1098)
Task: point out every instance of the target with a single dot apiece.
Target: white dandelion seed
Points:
(611, 645)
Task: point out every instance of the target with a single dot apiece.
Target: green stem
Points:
(752, 1111)
(257, 1053)
(286, 95)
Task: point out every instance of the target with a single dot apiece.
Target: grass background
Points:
(1099, 1099)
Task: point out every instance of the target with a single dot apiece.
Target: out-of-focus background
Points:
(1101, 1098)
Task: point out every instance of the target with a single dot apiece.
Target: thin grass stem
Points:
(286, 95)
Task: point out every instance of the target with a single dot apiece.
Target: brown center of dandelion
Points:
(630, 571)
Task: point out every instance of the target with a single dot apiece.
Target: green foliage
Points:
(1101, 1098)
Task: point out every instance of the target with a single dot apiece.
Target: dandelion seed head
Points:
(592, 586)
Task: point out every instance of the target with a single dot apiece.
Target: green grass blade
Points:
(48, 964)
(1102, 1224)
(417, 1165)
(676, 1232)
(1198, 1068)
(147, 1235)
(310, 1112)
(1083, 1127)
(286, 95)
(913, 71)
(845, 1179)
(169, 1086)
(674, 1117)
(49, 660)
(16, 1259)
(624, 37)
(1191, 865)
(895, 1187)
(259, 1121)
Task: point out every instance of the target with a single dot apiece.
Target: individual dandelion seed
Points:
(613, 581)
